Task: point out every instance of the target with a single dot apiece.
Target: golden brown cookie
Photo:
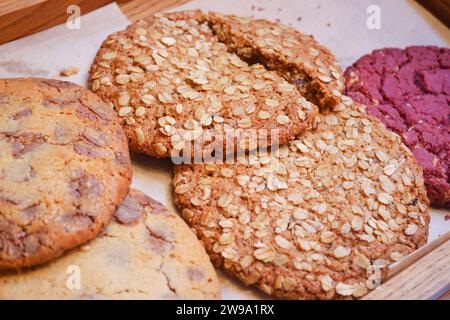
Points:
(297, 57)
(320, 218)
(147, 252)
(64, 168)
(174, 84)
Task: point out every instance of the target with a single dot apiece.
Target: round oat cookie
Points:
(409, 91)
(64, 167)
(297, 57)
(320, 218)
(147, 252)
(174, 85)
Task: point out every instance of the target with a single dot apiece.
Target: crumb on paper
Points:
(70, 71)
(299, 19)
(447, 217)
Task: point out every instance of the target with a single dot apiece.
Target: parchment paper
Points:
(338, 24)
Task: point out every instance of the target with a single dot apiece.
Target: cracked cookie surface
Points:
(295, 56)
(64, 168)
(146, 252)
(173, 83)
(320, 218)
(409, 91)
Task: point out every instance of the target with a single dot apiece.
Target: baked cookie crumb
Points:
(69, 71)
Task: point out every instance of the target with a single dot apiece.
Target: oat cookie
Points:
(172, 83)
(409, 91)
(147, 252)
(297, 57)
(315, 219)
(64, 167)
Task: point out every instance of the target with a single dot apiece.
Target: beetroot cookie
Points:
(64, 168)
(409, 91)
(320, 218)
(146, 252)
(297, 57)
(175, 85)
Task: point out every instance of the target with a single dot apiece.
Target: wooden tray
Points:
(19, 18)
(423, 275)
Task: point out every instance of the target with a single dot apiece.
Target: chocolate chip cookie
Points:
(64, 167)
(174, 84)
(321, 217)
(297, 57)
(147, 252)
(409, 91)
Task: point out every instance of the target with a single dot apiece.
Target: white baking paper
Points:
(338, 24)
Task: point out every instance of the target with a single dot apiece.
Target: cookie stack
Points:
(65, 173)
(288, 184)
(320, 215)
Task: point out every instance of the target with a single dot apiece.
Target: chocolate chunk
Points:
(75, 222)
(85, 185)
(130, 211)
(162, 233)
(57, 84)
(26, 112)
(195, 274)
(100, 109)
(84, 113)
(86, 150)
(158, 245)
(94, 136)
(56, 103)
(19, 150)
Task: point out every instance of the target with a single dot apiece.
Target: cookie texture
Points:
(297, 57)
(319, 218)
(174, 84)
(64, 168)
(146, 252)
(409, 90)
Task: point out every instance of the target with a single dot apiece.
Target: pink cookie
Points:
(409, 91)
